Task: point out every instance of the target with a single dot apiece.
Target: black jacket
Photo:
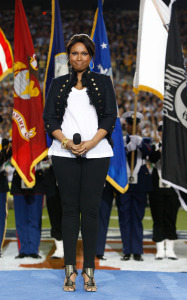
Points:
(3, 182)
(16, 188)
(4, 155)
(101, 94)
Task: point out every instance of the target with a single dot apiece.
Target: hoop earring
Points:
(92, 64)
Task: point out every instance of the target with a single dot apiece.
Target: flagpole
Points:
(161, 17)
(134, 131)
(95, 22)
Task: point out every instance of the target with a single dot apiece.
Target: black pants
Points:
(104, 216)
(54, 208)
(81, 183)
(164, 206)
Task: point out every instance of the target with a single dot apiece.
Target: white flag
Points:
(154, 16)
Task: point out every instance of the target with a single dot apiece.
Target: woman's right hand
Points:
(73, 148)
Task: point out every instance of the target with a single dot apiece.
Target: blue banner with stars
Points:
(117, 174)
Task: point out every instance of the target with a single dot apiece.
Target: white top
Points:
(80, 117)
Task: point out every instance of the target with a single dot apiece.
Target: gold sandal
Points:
(89, 286)
(69, 285)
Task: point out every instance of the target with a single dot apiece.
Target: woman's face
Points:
(79, 57)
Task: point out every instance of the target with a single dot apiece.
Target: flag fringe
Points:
(34, 163)
(94, 24)
(117, 186)
(149, 90)
(64, 53)
(50, 47)
(8, 71)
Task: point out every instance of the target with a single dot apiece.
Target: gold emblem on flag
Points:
(33, 62)
(24, 87)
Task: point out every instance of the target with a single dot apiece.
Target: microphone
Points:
(76, 138)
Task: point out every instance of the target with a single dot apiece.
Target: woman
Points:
(81, 102)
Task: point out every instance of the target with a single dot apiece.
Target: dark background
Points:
(83, 4)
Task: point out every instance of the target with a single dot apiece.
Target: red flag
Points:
(6, 57)
(28, 135)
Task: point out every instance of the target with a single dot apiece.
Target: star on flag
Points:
(104, 45)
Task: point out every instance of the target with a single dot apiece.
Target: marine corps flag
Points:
(174, 151)
(28, 135)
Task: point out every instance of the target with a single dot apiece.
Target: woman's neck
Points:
(79, 80)
(79, 75)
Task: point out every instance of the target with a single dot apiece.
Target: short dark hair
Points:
(84, 39)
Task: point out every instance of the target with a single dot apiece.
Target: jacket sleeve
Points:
(145, 149)
(155, 155)
(51, 121)
(110, 107)
(2, 158)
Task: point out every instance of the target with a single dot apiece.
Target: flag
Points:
(6, 56)
(28, 135)
(57, 60)
(117, 174)
(154, 16)
(174, 152)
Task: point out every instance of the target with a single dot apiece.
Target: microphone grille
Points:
(77, 138)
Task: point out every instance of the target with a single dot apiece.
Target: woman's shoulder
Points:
(99, 77)
(60, 78)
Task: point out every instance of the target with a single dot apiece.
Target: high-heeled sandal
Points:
(69, 285)
(89, 286)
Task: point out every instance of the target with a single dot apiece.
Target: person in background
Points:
(164, 206)
(108, 195)
(5, 154)
(131, 205)
(54, 208)
(28, 203)
(81, 102)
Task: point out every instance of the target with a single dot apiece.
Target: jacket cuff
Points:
(50, 127)
(108, 124)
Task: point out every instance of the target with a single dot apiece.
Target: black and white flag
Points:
(174, 151)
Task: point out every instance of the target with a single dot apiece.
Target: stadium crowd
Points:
(122, 28)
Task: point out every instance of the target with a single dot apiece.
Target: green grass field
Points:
(147, 222)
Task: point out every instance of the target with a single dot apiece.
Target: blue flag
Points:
(117, 174)
(57, 60)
